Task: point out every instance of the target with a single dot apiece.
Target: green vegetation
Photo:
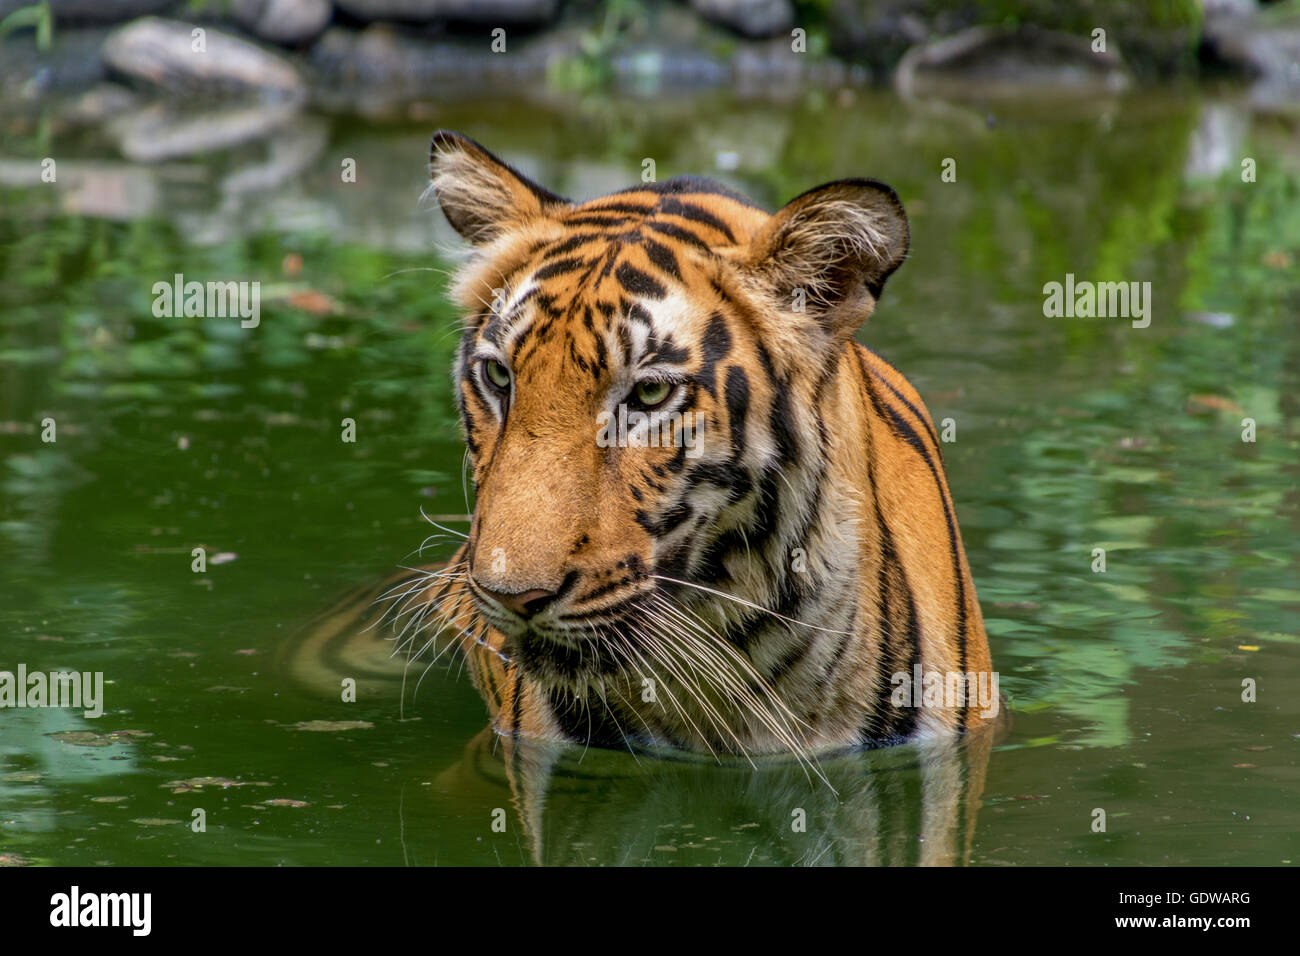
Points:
(38, 16)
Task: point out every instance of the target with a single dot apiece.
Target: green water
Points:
(1125, 687)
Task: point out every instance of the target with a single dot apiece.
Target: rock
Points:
(166, 131)
(99, 103)
(94, 11)
(1266, 47)
(163, 54)
(768, 72)
(877, 33)
(993, 61)
(750, 18)
(487, 12)
(290, 153)
(1216, 144)
(288, 22)
(1230, 8)
(1157, 38)
(74, 63)
(118, 191)
(370, 69)
(652, 70)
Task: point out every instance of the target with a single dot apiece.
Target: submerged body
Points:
(706, 516)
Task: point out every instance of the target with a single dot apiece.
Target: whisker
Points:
(749, 604)
(459, 534)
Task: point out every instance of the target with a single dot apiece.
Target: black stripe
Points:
(666, 350)
(468, 425)
(637, 282)
(563, 247)
(680, 233)
(724, 474)
(547, 304)
(560, 267)
(625, 343)
(781, 421)
(665, 523)
(711, 567)
(662, 257)
(594, 219)
(713, 349)
(686, 210)
(517, 703)
(578, 722)
(788, 661)
(636, 209)
(691, 185)
(901, 428)
(898, 651)
(638, 313)
(736, 395)
(903, 398)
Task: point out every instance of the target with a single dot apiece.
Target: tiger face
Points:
(688, 473)
(614, 432)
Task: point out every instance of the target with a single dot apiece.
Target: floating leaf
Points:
(330, 725)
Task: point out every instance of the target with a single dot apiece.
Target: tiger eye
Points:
(497, 373)
(651, 394)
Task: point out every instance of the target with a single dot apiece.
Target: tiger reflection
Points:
(574, 805)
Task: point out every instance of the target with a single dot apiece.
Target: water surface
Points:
(1125, 687)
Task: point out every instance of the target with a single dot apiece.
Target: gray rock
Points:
(288, 22)
(877, 33)
(993, 61)
(103, 190)
(1230, 8)
(1216, 144)
(379, 66)
(94, 11)
(73, 64)
(167, 131)
(487, 12)
(290, 153)
(99, 103)
(1267, 49)
(1158, 39)
(161, 53)
(750, 18)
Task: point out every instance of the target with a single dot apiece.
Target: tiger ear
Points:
(829, 251)
(481, 196)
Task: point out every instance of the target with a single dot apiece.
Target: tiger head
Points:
(639, 384)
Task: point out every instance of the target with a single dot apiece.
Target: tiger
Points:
(706, 518)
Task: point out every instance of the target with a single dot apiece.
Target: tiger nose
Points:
(526, 603)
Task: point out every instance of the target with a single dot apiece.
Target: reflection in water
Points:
(569, 804)
(904, 806)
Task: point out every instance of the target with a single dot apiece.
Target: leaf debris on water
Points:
(329, 725)
(198, 783)
(88, 738)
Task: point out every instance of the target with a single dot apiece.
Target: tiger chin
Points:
(706, 517)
